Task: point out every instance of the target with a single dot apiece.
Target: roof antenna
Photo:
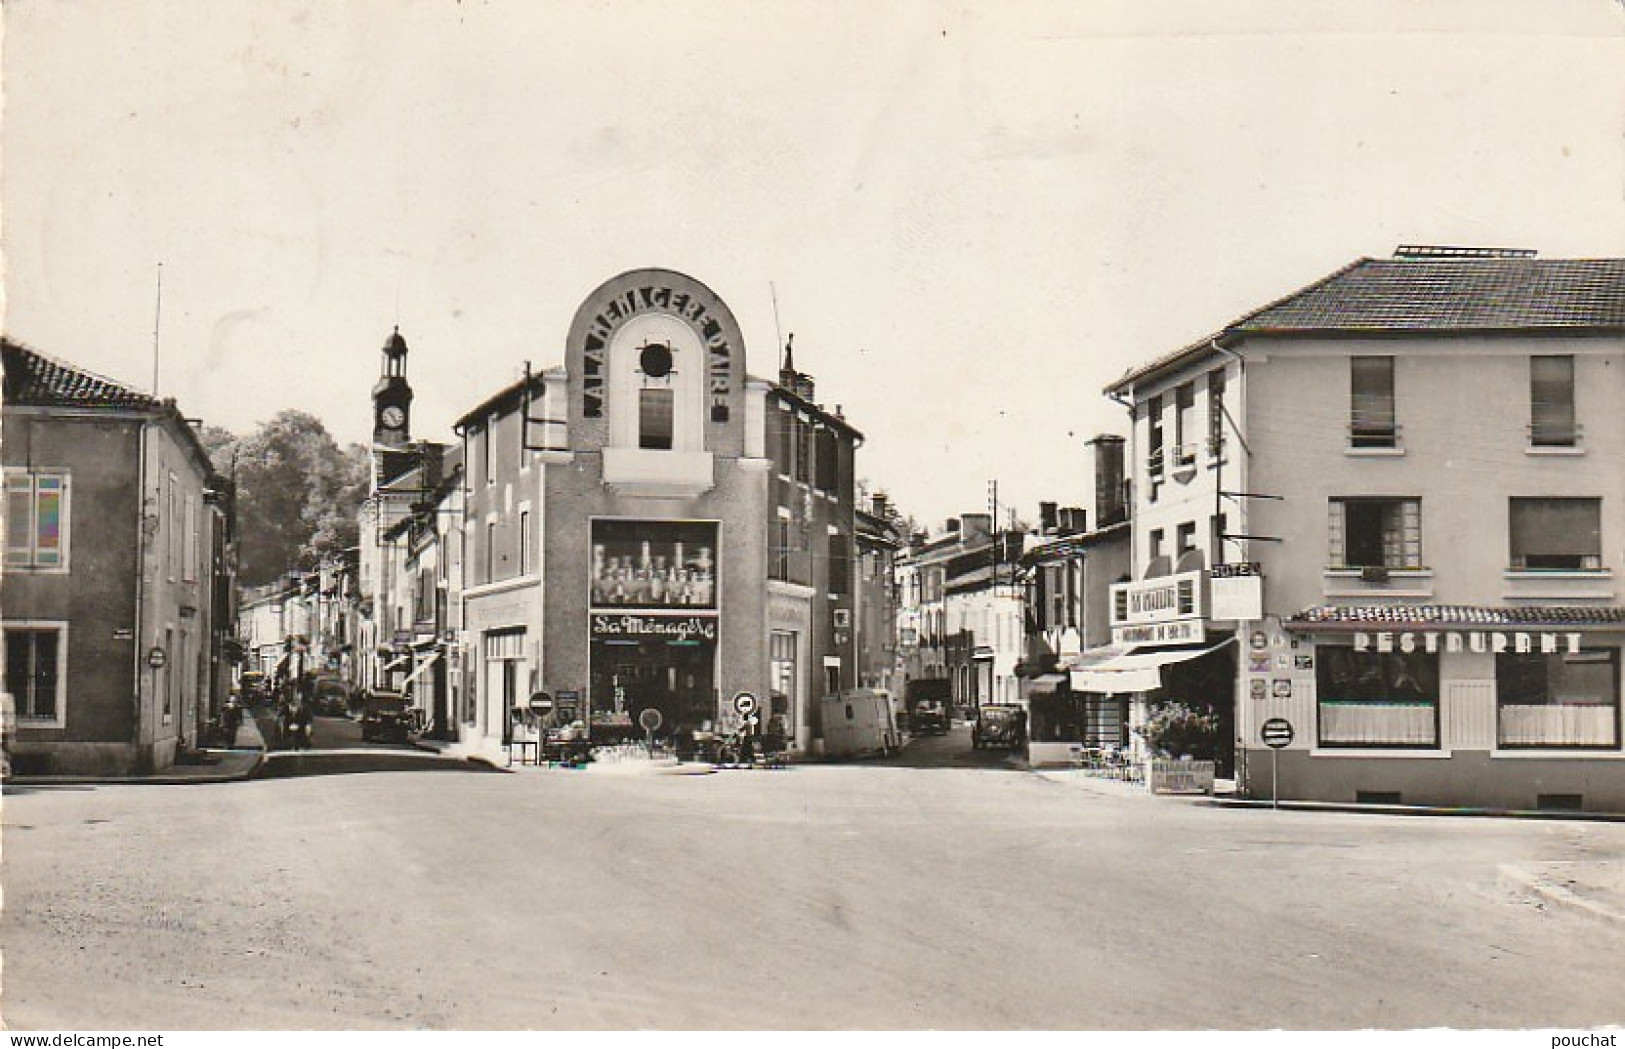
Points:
(778, 332)
(157, 325)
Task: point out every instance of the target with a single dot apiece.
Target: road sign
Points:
(157, 657)
(745, 703)
(651, 719)
(1276, 733)
(540, 703)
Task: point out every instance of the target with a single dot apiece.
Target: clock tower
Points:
(392, 398)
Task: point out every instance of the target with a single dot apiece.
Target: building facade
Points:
(650, 528)
(1428, 532)
(117, 532)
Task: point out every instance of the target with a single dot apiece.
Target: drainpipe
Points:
(1134, 490)
(138, 662)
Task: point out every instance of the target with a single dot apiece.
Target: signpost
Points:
(651, 719)
(1276, 733)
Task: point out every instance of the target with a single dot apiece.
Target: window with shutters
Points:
(1372, 419)
(1562, 535)
(1375, 533)
(37, 520)
(1551, 402)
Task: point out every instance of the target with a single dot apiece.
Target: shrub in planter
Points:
(1178, 730)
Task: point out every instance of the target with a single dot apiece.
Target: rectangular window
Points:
(35, 668)
(1556, 534)
(1568, 699)
(840, 565)
(524, 542)
(1215, 413)
(490, 551)
(1371, 403)
(1375, 533)
(655, 408)
(190, 543)
(1156, 559)
(1377, 699)
(804, 450)
(1551, 402)
(829, 461)
(1185, 424)
(1154, 452)
(779, 554)
(36, 520)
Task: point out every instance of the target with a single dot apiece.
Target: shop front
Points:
(1166, 664)
(654, 626)
(1515, 707)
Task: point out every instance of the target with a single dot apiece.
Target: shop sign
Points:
(1482, 641)
(700, 315)
(1180, 632)
(1236, 592)
(667, 628)
(1160, 600)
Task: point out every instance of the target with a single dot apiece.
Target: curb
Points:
(1417, 810)
(157, 779)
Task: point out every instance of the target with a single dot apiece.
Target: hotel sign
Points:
(1483, 641)
(1165, 610)
(678, 629)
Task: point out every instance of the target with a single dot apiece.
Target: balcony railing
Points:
(1373, 434)
(1554, 434)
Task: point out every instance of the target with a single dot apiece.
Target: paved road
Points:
(951, 750)
(818, 896)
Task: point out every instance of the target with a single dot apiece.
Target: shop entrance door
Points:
(629, 677)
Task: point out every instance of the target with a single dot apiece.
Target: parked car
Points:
(929, 716)
(999, 725)
(331, 696)
(386, 716)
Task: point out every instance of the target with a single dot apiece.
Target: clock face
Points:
(392, 417)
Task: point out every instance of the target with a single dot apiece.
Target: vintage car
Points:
(928, 716)
(386, 716)
(998, 725)
(331, 696)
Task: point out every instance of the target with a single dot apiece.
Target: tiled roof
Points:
(1498, 294)
(1456, 616)
(35, 379)
(1429, 295)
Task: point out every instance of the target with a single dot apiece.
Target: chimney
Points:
(975, 526)
(1046, 518)
(952, 526)
(1072, 520)
(1111, 502)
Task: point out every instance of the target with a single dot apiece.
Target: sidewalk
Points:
(1418, 810)
(213, 765)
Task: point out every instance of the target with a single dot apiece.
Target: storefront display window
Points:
(653, 564)
(1568, 699)
(1377, 699)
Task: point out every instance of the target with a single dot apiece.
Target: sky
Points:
(972, 216)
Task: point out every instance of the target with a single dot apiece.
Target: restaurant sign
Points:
(1483, 641)
(1167, 610)
(673, 629)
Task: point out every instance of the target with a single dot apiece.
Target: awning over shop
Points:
(421, 667)
(1136, 671)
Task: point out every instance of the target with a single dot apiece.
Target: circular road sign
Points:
(540, 702)
(1276, 733)
(157, 657)
(651, 718)
(745, 703)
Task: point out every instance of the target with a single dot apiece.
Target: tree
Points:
(297, 492)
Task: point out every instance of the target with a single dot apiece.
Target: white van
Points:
(859, 721)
